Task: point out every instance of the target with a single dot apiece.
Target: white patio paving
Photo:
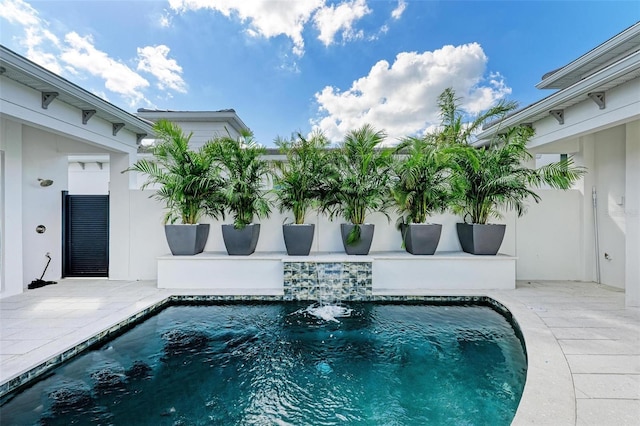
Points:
(583, 344)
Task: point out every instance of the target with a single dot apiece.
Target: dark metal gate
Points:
(85, 235)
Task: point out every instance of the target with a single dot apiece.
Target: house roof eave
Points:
(624, 70)
(226, 115)
(30, 74)
(624, 43)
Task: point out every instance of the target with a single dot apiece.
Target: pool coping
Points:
(548, 396)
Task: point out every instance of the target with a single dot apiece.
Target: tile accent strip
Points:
(103, 336)
(328, 281)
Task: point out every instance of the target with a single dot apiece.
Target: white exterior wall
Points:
(632, 214)
(148, 241)
(606, 143)
(35, 143)
(203, 125)
(205, 131)
(548, 237)
(120, 224)
(610, 187)
(147, 235)
(90, 180)
(11, 272)
(42, 205)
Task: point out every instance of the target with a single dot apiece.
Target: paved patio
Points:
(583, 344)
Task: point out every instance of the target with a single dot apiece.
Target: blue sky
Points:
(295, 65)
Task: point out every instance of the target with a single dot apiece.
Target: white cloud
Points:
(74, 55)
(153, 59)
(270, 19)
(165, 20)
(80, 53)
(19, 12)
(401, 98)
(37, 37)
(399, 10)
(331, 20)
(266, 18)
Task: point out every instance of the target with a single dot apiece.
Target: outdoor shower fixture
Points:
(45, 182)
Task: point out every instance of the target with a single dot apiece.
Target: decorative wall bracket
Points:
(87, 114)
(117, 127)
(47, 98)
(598, 98)
(558, 114)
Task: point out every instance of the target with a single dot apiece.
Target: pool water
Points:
(275, 364)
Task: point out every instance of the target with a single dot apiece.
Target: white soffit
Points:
(23, 71)
(619, 73)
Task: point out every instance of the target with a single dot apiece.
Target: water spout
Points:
(328, 313)
(329, 287)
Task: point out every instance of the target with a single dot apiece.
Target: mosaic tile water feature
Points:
(328, 282)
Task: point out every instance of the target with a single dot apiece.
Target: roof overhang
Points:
(623, 44)
(58, 89)
(614, 75)
(228, 116)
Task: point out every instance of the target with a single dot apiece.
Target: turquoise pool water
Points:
(274, 364)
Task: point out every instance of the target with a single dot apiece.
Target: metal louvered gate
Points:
(85, 235)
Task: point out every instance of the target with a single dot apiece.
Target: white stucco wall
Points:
(548, 237)
(148, 241)
(35, 143)
(205, 131)
(632, 214)
(610, 148)
(42, 205)
(204, 125)
(120, 224)
(93, 179)
(11, 232)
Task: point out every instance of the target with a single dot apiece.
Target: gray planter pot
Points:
(241, 242)
(298, 238)
(478, 238)
(366, 237)
(421, 238)
(186, 240)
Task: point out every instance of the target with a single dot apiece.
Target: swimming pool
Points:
(270, 363)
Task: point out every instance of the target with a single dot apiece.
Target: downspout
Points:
(594, 197)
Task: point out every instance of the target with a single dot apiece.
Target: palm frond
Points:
(361, 175)
(244, 174)
(185, 178)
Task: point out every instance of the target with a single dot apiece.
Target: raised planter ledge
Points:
(393, 272)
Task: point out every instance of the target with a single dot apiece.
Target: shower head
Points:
(45, 182)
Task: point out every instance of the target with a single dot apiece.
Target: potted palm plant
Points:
(185, 181)
(243, 194)
(420, 188)
(359, 185)
(496, 177)
(297, 186)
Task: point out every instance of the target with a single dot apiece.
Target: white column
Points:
(586, 157)
(11, 208)
(632, 214)
(120, 216)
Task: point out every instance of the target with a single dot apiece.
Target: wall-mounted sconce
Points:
(45, 182)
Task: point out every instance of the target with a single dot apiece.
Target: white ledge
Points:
(392, 272)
